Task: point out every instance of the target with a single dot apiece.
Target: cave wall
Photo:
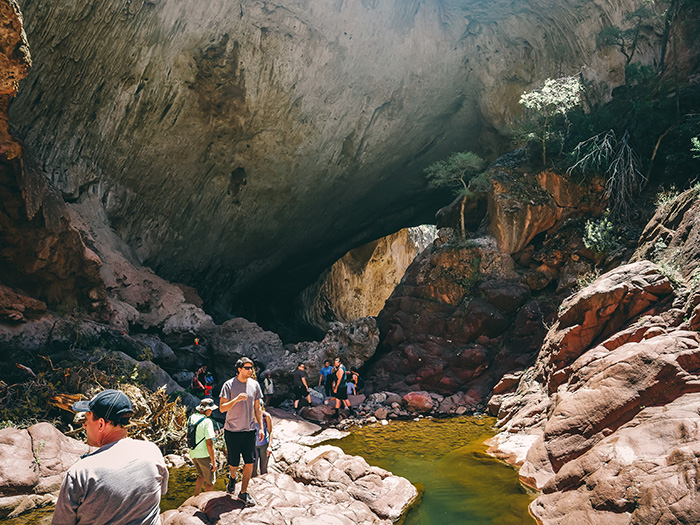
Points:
(237, 146)
(358, 284)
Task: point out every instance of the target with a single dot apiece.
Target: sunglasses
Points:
(247, 368)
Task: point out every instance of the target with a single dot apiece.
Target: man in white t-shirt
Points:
(240, 401)
(202, 455)
(120, 483)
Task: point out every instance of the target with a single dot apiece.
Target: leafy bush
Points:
(600, 235)
(547, 109)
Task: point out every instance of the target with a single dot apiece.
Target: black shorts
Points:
(300, 392)
(240, 444)
(342, 392)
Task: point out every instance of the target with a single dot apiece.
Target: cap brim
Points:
(81, 406)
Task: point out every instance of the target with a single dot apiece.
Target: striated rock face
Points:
(360, 282)
(237, 146)
(519, 207)
(606, 422)
(672, 237)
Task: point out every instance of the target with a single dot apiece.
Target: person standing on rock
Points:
(198, 381)
(202, 454)
(121, 483)
(262, 445)
(301, 386)
(326, 378)
(240, 401)
(340, 387)
(268, 387)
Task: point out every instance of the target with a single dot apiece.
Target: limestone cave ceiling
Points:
(238, 146)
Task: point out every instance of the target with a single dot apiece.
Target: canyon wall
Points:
(241, 147)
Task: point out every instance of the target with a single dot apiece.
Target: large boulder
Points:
(605, 423)
(354, 343)
(33, 462)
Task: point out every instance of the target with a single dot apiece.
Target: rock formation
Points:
(360, 282)
(605, 423)
(467, 311)
(32, 465)
(242, 147)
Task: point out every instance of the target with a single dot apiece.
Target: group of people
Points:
(338, 384)
(123, 480)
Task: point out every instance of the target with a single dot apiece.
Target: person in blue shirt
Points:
(262, 444)
(326, 378)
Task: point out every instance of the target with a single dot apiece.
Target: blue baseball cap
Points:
(111, 405)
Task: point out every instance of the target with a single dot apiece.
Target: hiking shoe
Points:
(247, 499)
(231, 486)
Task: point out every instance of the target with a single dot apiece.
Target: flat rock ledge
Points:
(322, 486)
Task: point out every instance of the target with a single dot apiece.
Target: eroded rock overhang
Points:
(239, 145)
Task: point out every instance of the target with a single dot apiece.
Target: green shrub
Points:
(600, 235)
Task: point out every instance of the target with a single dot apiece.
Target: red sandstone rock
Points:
(420, 402)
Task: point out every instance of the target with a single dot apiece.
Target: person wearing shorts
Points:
(340, 387)
(240, 401)
(301, 386)
(202, 454)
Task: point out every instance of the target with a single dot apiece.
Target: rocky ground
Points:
(606, 422)
(318, 485)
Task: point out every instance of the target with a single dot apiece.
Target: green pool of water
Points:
(446, 459)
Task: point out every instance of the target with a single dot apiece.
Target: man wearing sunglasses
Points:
(240, 401)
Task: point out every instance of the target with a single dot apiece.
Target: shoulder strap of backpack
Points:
(195, 431)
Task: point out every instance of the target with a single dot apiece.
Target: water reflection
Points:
(461, 483)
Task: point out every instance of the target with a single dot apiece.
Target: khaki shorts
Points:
(203, 468)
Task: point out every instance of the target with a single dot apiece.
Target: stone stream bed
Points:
(444, 458)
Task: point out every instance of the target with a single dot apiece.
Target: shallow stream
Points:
(447, 460)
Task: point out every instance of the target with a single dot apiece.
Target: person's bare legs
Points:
(198, 486)
(247, 473)
(233, 471)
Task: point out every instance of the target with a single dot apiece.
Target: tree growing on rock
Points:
(627, 40)
(546, 110)
(456, 172)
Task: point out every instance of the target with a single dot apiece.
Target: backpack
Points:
(192, 434)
